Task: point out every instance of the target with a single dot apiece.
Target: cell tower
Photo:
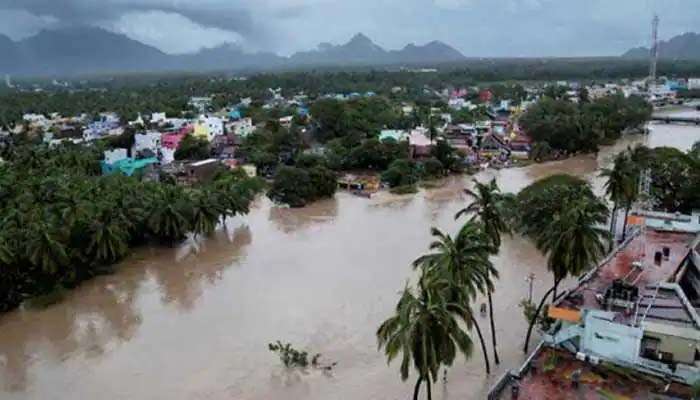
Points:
(654, 51)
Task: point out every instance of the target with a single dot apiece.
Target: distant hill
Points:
(84, 50)
(682, 47)
(361, 50)
(8, 53)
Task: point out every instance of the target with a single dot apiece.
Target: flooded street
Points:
(172, 324)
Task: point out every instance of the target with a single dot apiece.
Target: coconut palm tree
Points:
(108, 237)
(207, 208)
(463, 266)
(486, 208)
(425, 331)
(44, 247)
(620, 186)
(572, 241)
(169, 214)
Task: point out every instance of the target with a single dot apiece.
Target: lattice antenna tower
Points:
(654, 49)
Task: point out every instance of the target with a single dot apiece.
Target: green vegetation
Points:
(299, 186)
(571, 127)
(193, 148)
(675, 177)
(487, 209)
(427, 329)
(621, 186)
(401, 172)
(290, 356)
(64, 223)
(562, 216)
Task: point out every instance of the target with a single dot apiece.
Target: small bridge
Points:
(676, 120)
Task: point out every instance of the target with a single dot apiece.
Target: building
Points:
(419, 143)
(200, 171)
(147, 144)
(395, 134)
(115, 155)
(115, 161)
(286, 122)
(200, 104)
(208, 127)
(157, 118)
(694, 83)
(639, 309)
(241, 128)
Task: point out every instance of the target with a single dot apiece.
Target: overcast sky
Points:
(475, 27)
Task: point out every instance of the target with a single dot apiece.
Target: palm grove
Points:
(63, 222)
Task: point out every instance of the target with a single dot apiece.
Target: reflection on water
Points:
(194, 322)
(290, 220)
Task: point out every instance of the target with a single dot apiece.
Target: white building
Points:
(34, 118)
(157, 118)
(209, 127)
(286, 122)
(243, 127)
(167, 155)
(693, 83)
(457, 103)
(146, 141)
(113, 156)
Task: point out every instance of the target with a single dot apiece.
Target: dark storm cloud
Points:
(220, 15)
(476, 27)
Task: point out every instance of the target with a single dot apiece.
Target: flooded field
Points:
(179, 324)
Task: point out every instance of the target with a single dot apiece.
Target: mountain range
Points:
(681, 47)
(86, 50)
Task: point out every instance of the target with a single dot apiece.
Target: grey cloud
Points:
(476, 27)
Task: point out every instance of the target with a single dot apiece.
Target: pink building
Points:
(172, 140)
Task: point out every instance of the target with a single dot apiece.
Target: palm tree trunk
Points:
(613, 224)
(493, 331)
(430, 394)
(483, 346)
(534, 318)
(624, 226)
(416, 390)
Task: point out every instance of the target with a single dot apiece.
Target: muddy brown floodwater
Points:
(178, 324)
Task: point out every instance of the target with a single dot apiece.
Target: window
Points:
(650, 348)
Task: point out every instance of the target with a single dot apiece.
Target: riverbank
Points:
(180, 324)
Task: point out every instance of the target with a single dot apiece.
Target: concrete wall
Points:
(683, 350)
(609, 339)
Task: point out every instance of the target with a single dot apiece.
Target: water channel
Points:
(179, 324)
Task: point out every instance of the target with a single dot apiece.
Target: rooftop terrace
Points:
(553, 375)
(622, 266)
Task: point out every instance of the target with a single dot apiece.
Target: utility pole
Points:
(530, 279)
(654, 49)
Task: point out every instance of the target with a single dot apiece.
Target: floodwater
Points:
(179, 324)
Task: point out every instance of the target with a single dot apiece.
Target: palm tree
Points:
(168, 214)
(463, 266)
(44, 247)
(425, 331)
(206, 210)
(620, 186)
(572, 241)
(109, 237)
(486, 209)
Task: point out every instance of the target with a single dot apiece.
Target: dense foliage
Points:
(675, 176)
(574, 127)
(193, 148)
(297, 186)
(64, 223)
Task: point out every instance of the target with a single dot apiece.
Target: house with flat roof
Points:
(639, 309)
